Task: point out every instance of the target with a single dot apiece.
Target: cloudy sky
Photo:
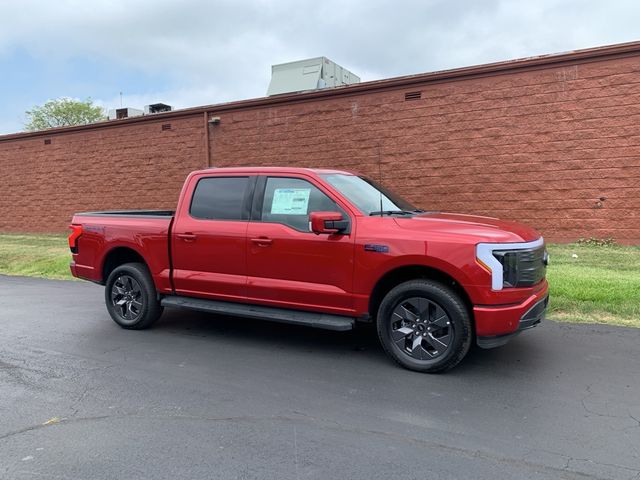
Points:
(198, 52)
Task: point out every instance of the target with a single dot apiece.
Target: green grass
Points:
(45, 256)
(595, 284)
(589, 283)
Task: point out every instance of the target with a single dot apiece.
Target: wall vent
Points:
(166, 126)
(47, 141)
(413, 95)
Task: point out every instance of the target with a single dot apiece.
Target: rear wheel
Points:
(424, 326)
(131, 297)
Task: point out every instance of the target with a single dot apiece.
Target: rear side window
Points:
(219, 198)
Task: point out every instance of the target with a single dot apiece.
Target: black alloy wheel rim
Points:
(126, 296)
(421, 329)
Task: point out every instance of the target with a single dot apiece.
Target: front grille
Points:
(534, 315)
(522, 268)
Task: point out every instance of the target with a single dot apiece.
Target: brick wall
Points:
(125, 167)
(541, 146)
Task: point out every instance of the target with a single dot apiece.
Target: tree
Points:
(63, 112)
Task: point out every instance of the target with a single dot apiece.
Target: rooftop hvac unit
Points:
(157, 108)
(308, 74)
(119, 113)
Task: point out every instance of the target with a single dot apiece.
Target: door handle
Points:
(187, 237)
(262, 241)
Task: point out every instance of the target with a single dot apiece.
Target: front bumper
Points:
(495, 326)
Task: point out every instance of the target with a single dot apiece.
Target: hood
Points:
(482, 229)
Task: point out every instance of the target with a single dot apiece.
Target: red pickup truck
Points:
(322, 248)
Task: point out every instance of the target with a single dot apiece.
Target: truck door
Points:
(208, 241)
(287, 264)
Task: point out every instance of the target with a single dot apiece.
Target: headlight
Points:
(513, 264)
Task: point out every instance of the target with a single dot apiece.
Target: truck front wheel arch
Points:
(400, 275)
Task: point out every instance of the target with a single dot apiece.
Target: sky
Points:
(200, 52)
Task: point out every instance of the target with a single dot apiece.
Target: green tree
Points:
(63, 112)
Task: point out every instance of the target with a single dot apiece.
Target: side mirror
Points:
(327, 222)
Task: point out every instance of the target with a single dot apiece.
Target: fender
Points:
(159, 268)
(421, 261)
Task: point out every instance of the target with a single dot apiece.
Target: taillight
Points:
(76, 231)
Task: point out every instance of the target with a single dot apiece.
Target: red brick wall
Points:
(539, 146)
(133, 166)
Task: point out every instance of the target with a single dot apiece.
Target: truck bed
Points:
(106, 233)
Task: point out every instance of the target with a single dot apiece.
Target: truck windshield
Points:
(369, 197)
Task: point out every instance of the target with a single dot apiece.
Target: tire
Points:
(424, 326)
(131, 297)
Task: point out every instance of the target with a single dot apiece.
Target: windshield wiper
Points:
(390, 212)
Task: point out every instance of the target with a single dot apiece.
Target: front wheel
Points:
(131, 297)
(424, 326)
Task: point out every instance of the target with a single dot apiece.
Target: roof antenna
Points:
(380, 175)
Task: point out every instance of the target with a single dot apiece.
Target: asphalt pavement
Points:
(205, 397)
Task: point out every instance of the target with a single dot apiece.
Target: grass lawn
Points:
(35, 256)
(593, 284)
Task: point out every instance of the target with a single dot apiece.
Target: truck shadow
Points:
(518, 357)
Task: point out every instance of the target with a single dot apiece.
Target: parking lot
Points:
(200, 396)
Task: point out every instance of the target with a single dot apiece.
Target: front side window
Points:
(219, 198)
(291, 200)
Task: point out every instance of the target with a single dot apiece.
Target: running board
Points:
(296, 317)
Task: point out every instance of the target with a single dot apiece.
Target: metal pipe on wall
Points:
(207, 146)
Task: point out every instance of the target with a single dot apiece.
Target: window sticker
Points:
(290, 201)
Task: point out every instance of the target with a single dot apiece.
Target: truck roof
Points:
(315, 171)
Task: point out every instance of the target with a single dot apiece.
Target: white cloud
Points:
(222, 50)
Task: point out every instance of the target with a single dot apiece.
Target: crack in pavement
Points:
(607, 415)
(331, 424)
